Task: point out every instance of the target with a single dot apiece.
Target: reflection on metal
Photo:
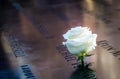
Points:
(90, 4)
(44, 32)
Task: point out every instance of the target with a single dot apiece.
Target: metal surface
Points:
(39, 31)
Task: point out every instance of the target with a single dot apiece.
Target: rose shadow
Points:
(83, 73)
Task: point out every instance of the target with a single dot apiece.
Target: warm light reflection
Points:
(90, 4)
(88, 19)
(110, 1)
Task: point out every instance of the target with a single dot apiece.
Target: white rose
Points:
(80, 39)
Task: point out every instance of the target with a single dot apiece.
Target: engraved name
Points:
(68, 56)
(106, 45)
(27, 72)
(16, 47)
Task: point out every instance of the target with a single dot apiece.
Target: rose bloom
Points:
(80, 40)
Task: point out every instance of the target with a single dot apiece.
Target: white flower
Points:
(80, 39)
